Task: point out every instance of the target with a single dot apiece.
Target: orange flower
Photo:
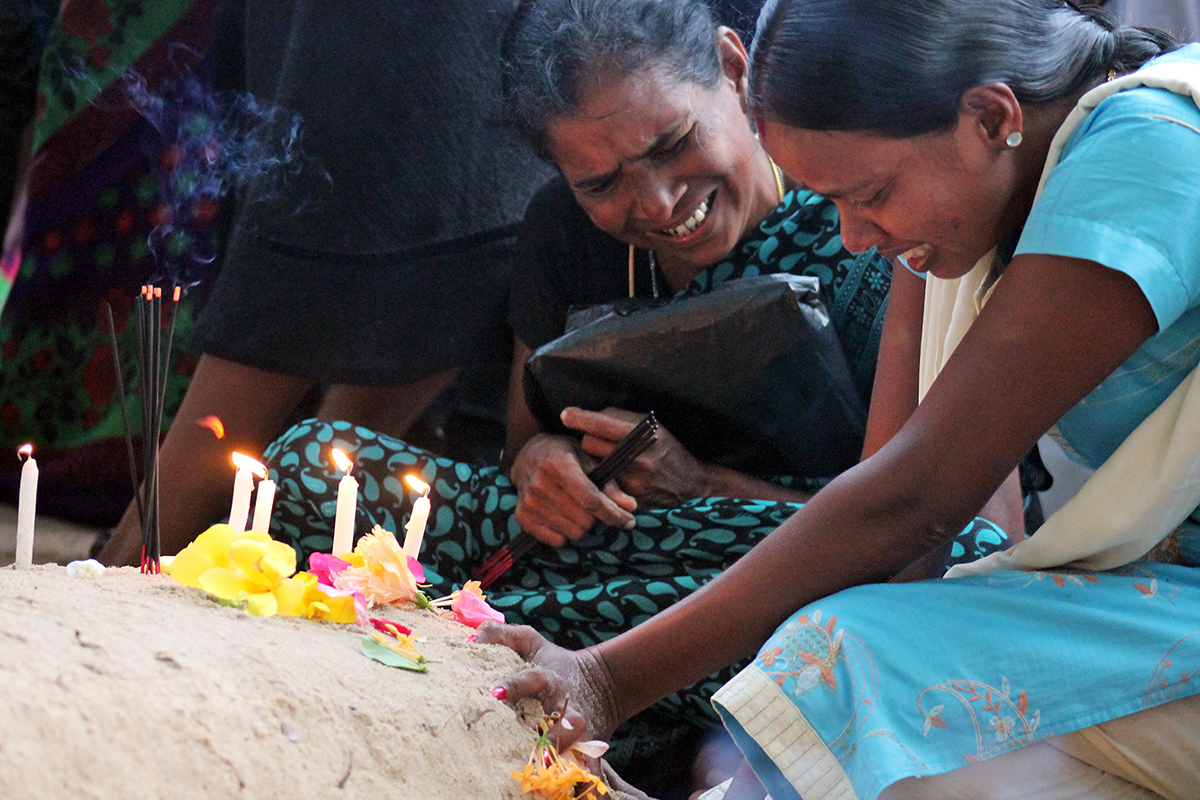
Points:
(550, 776)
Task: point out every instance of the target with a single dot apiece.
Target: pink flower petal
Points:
(325, 566)
(381, 625)
(418, 572)
(472, 610)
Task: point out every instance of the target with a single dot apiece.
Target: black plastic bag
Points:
(750, 375)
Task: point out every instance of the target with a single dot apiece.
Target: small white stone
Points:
(85, 569)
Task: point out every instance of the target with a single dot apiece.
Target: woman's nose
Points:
(657, 197)
(859, 234)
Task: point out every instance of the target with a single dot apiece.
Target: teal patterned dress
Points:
(611, 579)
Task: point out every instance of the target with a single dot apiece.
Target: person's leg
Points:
(1036, 772)
(385, 409)
(195, 473)
(1158, 748)
(471, 507)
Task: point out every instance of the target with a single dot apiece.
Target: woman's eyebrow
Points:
(838, 194)
(661, 142)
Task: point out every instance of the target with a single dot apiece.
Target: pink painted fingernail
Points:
(500, 693)
(566, 723)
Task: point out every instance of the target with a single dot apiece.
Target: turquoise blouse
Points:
(1126, 194)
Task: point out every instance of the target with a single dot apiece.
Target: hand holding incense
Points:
(636, 442)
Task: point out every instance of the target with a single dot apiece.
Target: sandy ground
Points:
(133, 686)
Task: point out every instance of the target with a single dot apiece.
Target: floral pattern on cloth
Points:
(1035, 655)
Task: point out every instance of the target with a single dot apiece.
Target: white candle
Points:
(414, 531)
(26, 508)
(347, 506)
(243, 486)
(264, 503)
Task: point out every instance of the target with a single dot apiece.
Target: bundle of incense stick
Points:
(153, 359)
(636, 442)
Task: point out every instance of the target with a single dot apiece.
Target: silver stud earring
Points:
(1014, 139)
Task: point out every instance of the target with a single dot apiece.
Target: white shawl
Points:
(1152, 482)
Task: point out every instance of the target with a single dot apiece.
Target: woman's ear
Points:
(993, 113)
(735, 64)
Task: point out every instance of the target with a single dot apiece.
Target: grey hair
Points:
(554, 50)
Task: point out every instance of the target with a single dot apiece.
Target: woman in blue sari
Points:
(1039, 165)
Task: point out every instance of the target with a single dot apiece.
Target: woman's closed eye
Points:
(873, 200)
(678, 146)
(599, 189)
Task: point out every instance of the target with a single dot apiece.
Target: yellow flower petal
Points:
(290, 596)
(226, 584)
(210, 549)
(245, 554)
(334, 609)
(263, 604)
(278, 563)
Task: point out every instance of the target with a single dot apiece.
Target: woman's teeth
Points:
(915, 256)
(691, 223)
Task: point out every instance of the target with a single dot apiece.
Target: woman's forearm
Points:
(851, 533)
(725, 482)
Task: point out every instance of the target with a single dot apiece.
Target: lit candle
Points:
(414, 531)
(264, 502)
(243, 487)
(347, 505)
(26, 508)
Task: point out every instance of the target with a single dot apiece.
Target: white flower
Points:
(85, 569)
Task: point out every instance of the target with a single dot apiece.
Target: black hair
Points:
(554, 48)
(899, 68)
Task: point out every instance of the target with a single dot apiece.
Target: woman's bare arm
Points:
(1061, 324)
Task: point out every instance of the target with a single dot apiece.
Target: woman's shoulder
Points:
(1152, 108)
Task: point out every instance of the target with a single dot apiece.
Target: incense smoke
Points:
(215, 143)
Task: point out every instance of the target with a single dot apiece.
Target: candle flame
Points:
(417, 484)
(214, 424)
(25, 451)
(342, 461)
(242, 461)
(176, 294)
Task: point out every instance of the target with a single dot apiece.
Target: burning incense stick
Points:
(153, 365)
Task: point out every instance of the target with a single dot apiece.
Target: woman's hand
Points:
(572, 682)
(556, 502)
(662, 477)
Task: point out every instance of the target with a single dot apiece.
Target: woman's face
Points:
(667, 165)
(941, 200)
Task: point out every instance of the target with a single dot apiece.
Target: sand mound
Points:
(133, 686)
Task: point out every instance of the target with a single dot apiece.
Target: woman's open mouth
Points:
(914, 258)
(694, 220)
